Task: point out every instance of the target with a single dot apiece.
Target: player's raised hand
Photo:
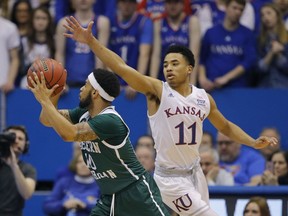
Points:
(78, 33)
(264, 141)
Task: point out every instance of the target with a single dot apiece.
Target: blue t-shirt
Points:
(248, 164)
(223, 50)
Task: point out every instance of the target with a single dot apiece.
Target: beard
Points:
(86, 102)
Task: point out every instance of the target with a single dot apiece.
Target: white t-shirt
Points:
(9, 39)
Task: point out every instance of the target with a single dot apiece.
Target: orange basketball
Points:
(54, 73)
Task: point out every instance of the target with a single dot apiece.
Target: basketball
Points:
(53, 71)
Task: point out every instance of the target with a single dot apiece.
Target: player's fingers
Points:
(74, 21)
(68, 35)
(32, 81)
(70, 23)
(90, 26)
(54, 87)
(68, 28)
(42, 77)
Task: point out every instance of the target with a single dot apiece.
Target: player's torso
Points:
(177, 127)
(113, 166)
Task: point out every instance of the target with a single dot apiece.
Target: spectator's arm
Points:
(195, 41)
(156, 52)
(60, 42)
(103, 36)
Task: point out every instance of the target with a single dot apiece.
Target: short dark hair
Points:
(241, 2)
(186, 52)
(108, 81)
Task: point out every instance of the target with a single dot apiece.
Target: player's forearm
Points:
(238, 135)
(109, 58)
(60, 124)
(44, 119)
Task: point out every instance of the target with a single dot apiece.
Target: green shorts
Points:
(140, 198)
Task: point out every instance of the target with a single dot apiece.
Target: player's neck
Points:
(98, 108)
(184, 90)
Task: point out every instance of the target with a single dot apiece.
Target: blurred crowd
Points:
(236, 43)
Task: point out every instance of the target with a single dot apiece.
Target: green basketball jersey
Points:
(111, 157)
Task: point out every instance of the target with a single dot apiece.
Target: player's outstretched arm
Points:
(136, 80)
(234, 132)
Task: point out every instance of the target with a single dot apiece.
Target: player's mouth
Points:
(170, 76)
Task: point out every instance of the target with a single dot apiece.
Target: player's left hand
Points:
(39, 89)
(264, 141)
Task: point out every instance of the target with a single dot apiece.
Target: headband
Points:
(97, 87)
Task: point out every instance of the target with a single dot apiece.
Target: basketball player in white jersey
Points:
(176, 111)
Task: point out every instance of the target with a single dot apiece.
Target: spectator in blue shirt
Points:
(75, 194)
(243, 163)
(227, 52)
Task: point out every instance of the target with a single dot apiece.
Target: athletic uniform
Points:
(177, 130)
(79, 59)
(126, 188)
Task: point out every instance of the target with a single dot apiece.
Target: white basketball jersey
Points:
(177, 127)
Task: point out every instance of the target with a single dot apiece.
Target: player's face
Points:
(234, 12)
(206, 162)
(85, 95)
(252, 209)
(268, 17)
(40, 21)
(176, 69)
(279, 164)
(19, 144)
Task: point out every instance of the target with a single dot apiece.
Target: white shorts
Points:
(186, 195)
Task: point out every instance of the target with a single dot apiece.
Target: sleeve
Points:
(109, 127)
(249, 49)
(29, 171)
(147, 31)
(75, 114)
(256, 165)
(54, 203)
(14, 39)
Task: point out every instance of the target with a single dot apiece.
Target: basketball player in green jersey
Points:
(126, 188)
(176, 111)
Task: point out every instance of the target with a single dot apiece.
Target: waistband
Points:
(170, 172)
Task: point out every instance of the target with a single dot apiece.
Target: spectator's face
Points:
(268, 17)
(81, 168)
(174, 8)
(146, 141)
(40, 21)
(252, 209)
(22, 13)
(282, 4)
(146, 158)
(19, 144)
(82, 4)
(234, 12)
(267, 151)
(279, 164)
(207, 162)
(206, 141)
(126, 8)
(228, 150)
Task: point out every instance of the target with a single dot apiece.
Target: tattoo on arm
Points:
(65, 114)
(84, 132)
